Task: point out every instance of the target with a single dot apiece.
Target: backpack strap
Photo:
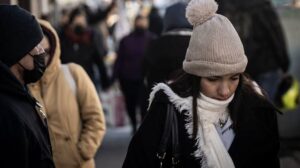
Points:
(69, 77)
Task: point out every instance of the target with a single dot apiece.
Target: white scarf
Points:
(213, 151)
(210, 149)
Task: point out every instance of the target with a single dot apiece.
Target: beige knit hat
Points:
(215, 48)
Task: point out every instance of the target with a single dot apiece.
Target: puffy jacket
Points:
(75, 118)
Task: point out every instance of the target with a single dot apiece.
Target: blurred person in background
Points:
(83, 45)
(75, 116)
(63, 20)
(24, 133)
(155, 21)
(260, 30)
(128, 67)
(94, 17)
(210, 115)
(166, 53)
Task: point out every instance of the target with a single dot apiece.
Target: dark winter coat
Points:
(131, 53)
(261, 32)
(87, 52)
(165, 55)
(23, 134)
(255, 144)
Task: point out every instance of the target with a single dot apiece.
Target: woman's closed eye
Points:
(235, 77)
(212, 79)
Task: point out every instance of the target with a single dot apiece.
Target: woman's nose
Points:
(224, 91)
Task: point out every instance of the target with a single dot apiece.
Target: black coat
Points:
(256, 142)
(261, 32)
(86, 54)
(24, 135)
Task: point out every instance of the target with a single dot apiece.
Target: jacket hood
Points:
(55, 52)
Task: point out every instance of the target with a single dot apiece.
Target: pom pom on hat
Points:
(199, 11)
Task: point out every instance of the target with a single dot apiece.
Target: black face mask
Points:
(79, 30)
(31, 76)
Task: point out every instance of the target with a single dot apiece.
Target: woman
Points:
(75, 117)
(224, 120)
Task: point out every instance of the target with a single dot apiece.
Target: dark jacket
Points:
(23, 135)
(131, 52)
(165, 55)
(255, 145)
(86, 52)
(261, 32)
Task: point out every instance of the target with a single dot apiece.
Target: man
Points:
(129, 65)
(24, 135)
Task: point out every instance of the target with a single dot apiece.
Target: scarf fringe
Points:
(182, 104)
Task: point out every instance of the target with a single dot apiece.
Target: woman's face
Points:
(46, 45)
(219, 87)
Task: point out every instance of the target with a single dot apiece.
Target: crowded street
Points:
(150, 83)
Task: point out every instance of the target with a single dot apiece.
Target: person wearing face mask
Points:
(24, 133)
(76, 124)
(222, 118)
(83, 45)
(128, 67)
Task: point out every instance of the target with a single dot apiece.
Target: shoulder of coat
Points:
(180, 103)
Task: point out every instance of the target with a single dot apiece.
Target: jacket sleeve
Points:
(92, 117)
(273, 144)
(144, 144)
(99, 56)
(14, 140)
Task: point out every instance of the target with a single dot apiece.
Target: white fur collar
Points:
(184, 104)
(179, 102)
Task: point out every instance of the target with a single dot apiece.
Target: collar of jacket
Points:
(11, 85)
(178, 32)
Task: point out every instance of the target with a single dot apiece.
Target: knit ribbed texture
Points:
(215, 48)
(19, 33)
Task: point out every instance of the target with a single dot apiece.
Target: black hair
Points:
(186, 85)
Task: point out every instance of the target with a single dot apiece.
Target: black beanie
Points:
(19, 33)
